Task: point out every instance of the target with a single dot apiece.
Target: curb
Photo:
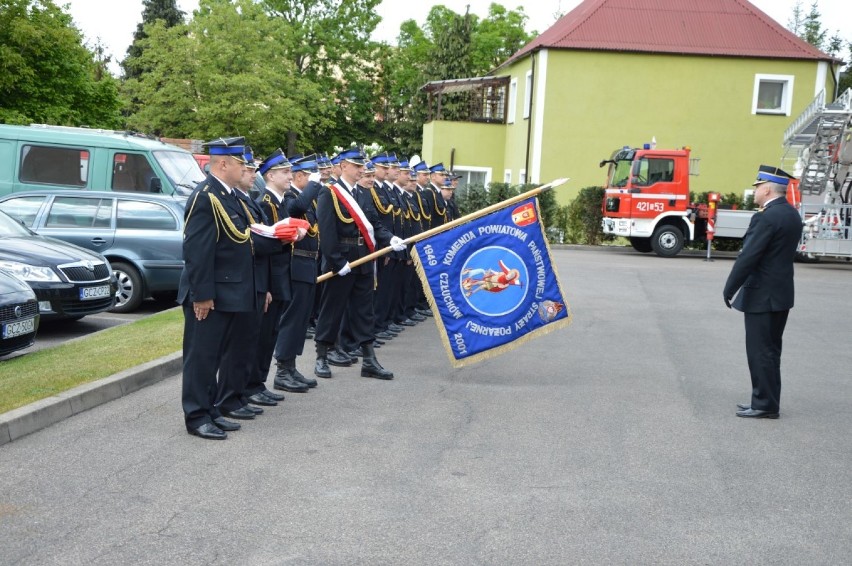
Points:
(41, 414)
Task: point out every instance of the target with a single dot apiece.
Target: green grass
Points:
(44, 373)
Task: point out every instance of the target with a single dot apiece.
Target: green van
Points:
(61, 157)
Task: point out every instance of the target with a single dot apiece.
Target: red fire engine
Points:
(647, 201)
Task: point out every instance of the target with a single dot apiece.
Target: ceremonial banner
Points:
(491, 283)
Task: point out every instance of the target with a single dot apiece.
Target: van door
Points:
(85, 221)
(131, 172)
(44, 166)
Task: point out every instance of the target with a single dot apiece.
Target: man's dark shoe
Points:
(290, 385)
(309, 333)
(357, 353)
(395, 328)
(208, 431)
(253, 409)
(309, 382)
(424, 312)
(262, 399)
(370, 366)
(378, 341)
(384, 335)
(337, 358)
(242, 414)
(321, 368)
(408, 322)
(226, 425)
(756, 414)
(272, 395)
(744, 406)
(418, 317)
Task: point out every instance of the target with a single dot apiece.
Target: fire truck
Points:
(647, 201)
(647, 190)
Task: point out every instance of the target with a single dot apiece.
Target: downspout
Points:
(530, 119)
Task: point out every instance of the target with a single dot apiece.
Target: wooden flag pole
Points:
(458, 221)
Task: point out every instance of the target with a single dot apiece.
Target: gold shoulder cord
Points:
(413, 215)
(440, 212)
(377, 200)
(314, 230)
(274, 208)
(222, 218)
(337, 208)
(422, 208)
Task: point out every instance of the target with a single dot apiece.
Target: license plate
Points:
(87, 293)
(19, 327)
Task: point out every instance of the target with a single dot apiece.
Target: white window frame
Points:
(522, 177)
(507, 176)
(513, 102)
(528, 94)
(786, 94)
(473, 169)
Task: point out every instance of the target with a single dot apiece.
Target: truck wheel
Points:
(641, 244)
(129, 294)
(667, 241)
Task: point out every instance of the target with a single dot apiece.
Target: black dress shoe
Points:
(357, 353)
(272, 395)
(208, 431)
(226, 425)
(253, 409)
(378, 341)
(338, 358)
(290, 384)
(242, 414)
(384, 335)
(321, 368)
(304, 380)
(262, 399)
(408, 322)
(757, 414)
(395, 328)
(744, 406)
(424, 312)
(418, 317)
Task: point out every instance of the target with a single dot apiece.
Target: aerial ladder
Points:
(820, 141)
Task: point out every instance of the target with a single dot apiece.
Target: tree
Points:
(498, 37)
(152, 11)
(809, 27)
(48, 75)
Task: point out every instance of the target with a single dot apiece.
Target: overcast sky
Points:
(115, 28)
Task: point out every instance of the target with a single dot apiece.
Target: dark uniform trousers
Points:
(342, 242)
(763, 275)
(218, 266)
(239, 371)
(290, 342)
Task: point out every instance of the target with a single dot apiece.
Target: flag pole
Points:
(449, 225)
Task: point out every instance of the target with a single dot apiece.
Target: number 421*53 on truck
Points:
(647, 201)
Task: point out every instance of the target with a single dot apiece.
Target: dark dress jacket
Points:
(764, 268)
(439, 216)
(217, 255)
(339, 232)
(303, 264)
(279, 262)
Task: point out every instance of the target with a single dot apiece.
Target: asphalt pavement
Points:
(612, 441)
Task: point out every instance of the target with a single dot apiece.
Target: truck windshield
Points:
(181, 169)
(619, 173)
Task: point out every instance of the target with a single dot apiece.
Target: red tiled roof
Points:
(733, 28)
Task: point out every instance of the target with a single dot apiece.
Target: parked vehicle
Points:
(69, 281)
(59, 157)
(140, 234)
(19, 316)
(647, 201)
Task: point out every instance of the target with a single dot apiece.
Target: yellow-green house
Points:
(718, 76)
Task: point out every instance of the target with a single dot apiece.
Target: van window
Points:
(131, 172)
(24, 209)
(79, 212)
(54, 165)
(139, 215)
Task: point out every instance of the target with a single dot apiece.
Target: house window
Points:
(528, 95)
(773, 94)
(513, 101)
(523, 177)
(507, 176)
(471, 176)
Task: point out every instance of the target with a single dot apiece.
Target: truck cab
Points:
(647, 198)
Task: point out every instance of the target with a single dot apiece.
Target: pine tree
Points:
(152, 10)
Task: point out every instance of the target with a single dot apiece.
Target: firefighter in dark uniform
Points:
(240, 386)
(437, 175)
(414, 224)
(448, 194)
(349, 228)
(300, 202)
(217, 283)
(276, 171)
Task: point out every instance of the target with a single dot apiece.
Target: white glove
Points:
(345, 269)
(397, 243)
(315, 177)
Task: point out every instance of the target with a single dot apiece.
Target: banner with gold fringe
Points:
(491, 283)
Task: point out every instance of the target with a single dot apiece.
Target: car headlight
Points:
(30, 273)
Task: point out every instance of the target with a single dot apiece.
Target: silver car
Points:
(140, 234)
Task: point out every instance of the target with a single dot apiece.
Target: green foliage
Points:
(498, 37)
(152, 11)
(48, 75)
(583, 217)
